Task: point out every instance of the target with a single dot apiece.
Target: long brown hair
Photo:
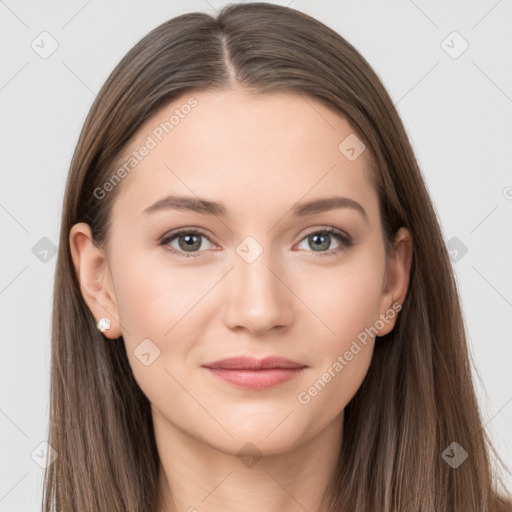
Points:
(418, 396)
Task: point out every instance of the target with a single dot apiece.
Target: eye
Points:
(322, 239)
(187, 242)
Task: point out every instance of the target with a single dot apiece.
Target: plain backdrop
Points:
(447, 67)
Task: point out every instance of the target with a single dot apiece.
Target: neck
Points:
(196, 477)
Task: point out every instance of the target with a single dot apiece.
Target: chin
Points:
(254, 445)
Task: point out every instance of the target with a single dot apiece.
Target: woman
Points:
(254, 306)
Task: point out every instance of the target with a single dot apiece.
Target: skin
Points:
(292, 301)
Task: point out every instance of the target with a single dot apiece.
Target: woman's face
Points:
(253, 272)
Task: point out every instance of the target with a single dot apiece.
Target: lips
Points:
(256, 374)
(250, 363)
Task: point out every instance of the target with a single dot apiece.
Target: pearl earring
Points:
(103, 325)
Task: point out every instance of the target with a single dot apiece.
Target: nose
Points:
(257, 296)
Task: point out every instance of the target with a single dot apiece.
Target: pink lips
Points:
(251, 373)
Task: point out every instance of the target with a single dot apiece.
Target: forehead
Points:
(247, 150)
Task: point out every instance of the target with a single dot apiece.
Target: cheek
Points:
(345, 300)
(342, 359)
(163, 304)
(152, 296)
(143, 306)
(153, 312)
(146, 300)
(330, 390)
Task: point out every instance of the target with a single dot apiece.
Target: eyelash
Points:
(345, 241)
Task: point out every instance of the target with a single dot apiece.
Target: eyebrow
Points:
(206, 207)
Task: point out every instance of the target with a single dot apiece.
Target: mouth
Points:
(250, 373)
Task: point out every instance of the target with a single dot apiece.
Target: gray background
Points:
(456, 108)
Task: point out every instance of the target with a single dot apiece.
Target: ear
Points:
(93, 274)
(396, 280)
